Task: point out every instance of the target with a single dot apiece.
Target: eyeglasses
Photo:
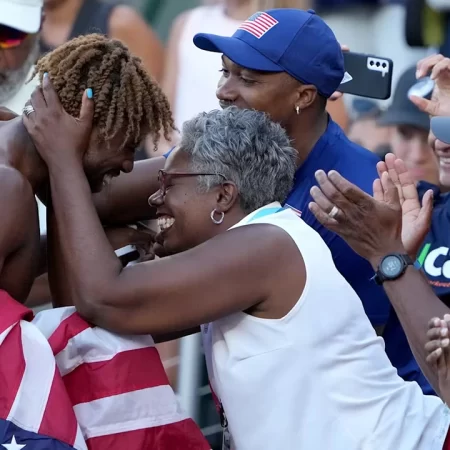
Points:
(10, 37)
(165, 177)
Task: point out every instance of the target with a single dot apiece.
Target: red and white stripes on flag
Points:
(258, 24)
(85, 386)
(118, 387)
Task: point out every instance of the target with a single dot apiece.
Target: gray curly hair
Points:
(247, 148)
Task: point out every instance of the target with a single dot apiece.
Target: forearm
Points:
(415, 304)
(86, 254)
(61, 293)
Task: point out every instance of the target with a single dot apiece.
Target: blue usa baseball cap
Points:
(287, 40)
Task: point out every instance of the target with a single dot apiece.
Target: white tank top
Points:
(318, 378)
(198, 70)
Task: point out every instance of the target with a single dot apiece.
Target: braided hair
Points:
(126, 98)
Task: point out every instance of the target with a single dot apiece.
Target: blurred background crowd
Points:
(160, 32)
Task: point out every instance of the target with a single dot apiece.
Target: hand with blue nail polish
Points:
(59, 138)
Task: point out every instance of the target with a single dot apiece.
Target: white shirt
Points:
(198, 71)
(16, 104)
(318, 378)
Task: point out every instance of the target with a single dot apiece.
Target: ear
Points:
(227, 196)
(306, 96)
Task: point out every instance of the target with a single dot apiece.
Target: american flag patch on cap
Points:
(258, 24)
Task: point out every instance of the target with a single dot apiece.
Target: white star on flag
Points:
(13, 445)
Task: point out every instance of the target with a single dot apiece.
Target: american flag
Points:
(67, 385)
(258, 24)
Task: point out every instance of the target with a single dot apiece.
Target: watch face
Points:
(391, 266)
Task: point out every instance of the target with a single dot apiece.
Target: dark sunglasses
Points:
(165, 177)
(10, 37)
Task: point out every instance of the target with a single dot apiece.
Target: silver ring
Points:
(334, 212)
(28, 109)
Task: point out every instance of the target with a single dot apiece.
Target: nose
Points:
(226, 90)
(128, 165)
(156, 199)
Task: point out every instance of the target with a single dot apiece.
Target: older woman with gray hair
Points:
(292, 358)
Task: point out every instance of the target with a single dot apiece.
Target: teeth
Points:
(165, 222)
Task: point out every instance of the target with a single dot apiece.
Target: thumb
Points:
(378, 191)
(87, 106)
(427, 106)
(427, 208)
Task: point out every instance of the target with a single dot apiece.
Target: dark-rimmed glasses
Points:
(10, 37)
(164, 177)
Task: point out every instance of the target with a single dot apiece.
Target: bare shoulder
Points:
(13, 185)
(125, 17)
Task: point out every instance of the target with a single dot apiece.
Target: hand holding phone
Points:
(367, 75)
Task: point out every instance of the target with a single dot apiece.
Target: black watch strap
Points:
(380, 276)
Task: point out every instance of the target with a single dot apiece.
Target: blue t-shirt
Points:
(334, 151)
(434, 256)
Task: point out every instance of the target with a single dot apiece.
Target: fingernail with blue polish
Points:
(45, 75)
(89, 93)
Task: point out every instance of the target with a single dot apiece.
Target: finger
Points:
(330, 190)
(381, 167)
(87, 106)
(426, 211)
(345, 48)
(434, 333)
(435, 322)
(323, 217)
(425, 105)
(431, 346)
(378, 194)
(335, 96)
(349, 191)
(50, 95)
(390, 160)
(321, 200)
(424, 66)
(447, 319)
(433, 357)
(442, 66)
(390, 191)
(38, 100)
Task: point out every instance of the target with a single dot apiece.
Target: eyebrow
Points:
(253, 71)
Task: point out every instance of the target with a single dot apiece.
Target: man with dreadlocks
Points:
(129, 105)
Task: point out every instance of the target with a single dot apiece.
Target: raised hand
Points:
(416, 218)
(439, 66)
(59, 138)
(438, 349)
(372, 227)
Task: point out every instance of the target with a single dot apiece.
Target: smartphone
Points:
(367, 75)
(127, 254)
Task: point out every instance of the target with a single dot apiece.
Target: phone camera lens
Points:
(371, 63)
(383, 65)
(378, 64)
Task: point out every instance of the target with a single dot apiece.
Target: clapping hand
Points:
(416, 218)
(438, 349)
(392, 220)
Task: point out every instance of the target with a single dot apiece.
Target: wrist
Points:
(395, 247)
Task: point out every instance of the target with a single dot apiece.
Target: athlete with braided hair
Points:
(129, 105)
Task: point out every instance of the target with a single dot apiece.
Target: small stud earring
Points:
(297, 110)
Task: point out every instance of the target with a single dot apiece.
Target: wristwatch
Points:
(391, 267)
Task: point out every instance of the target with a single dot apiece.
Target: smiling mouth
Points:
(165, 222)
